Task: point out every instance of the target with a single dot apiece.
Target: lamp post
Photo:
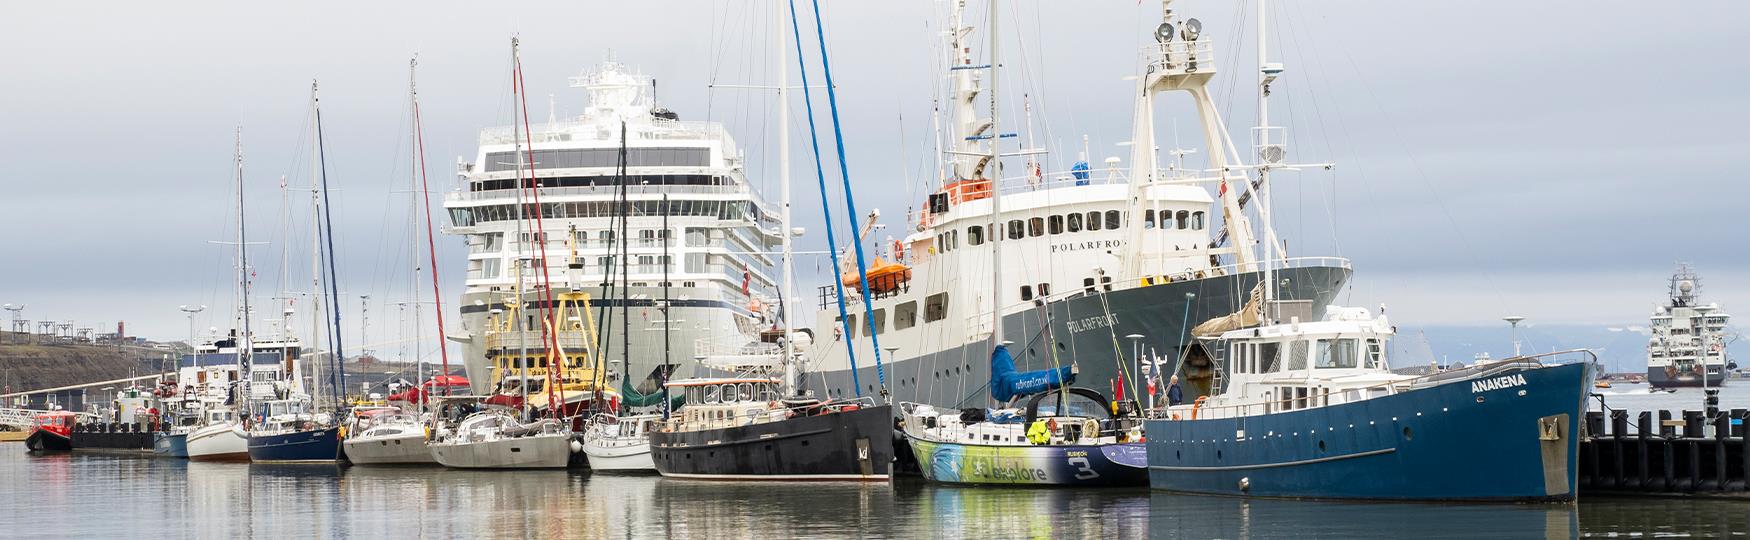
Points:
(1514, 320)
(193, 353)
(1709, 400)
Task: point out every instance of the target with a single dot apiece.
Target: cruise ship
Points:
(1688, 336)
(1102, 264)
(720, 235)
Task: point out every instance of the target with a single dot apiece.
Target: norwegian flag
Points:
(1223, 188)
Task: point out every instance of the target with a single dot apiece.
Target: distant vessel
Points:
(1312, 409)
(1687, 337)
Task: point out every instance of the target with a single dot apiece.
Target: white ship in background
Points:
(1688, 337)
(720, 231)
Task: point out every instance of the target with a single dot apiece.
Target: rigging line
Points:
(546, 283)
(850, 200)
(825, 202)
(430, 242)
(339, 375)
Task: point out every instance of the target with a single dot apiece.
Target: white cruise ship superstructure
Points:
(719, 236)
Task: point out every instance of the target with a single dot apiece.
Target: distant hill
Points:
(1621, 348)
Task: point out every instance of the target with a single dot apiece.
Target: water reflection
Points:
(1188, 516)
(87, 495)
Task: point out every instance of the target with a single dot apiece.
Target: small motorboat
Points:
(51, 432)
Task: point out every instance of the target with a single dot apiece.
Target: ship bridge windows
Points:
(606, 181)
(1016, 229)
(975, 235)
(1073, 223)
(1093, 222)
(1336, 353)
(1054, 224)
(1114, 219)
(562, 158)
(878, 320)
(1036, 227)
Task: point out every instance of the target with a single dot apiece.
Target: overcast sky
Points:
(1548, 159)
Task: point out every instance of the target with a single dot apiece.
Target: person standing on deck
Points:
(1175, 396)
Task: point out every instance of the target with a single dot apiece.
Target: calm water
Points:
(92, 495)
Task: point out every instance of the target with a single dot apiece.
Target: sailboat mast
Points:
(625, 262)
(791, 372)
(412, 226)
(338, 378)
(994, 173)
(522, 240)
(243, 341)
(316, 290)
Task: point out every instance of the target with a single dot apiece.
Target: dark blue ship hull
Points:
(312, 446)
(1506, 436)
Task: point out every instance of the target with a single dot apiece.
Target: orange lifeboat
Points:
(884, 277)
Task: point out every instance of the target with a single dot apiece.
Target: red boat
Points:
(442, 385)
(53, 432)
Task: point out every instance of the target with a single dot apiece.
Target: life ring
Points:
(1195, 405)
(1090, 426)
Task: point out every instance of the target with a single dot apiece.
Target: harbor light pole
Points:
(1514, 320)
(193, 353)
(1710, 400)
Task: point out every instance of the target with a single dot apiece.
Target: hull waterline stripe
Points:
(1274, 465)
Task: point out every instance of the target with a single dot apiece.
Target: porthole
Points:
(1061, 347)
(1407, 434)
(1218, 455)
(1321, 445)
(1177, 455)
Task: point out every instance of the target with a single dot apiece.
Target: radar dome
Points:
(1686, 286)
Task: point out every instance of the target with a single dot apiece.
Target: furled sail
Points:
(1007, 384)
(1248, 316)
(651, 394)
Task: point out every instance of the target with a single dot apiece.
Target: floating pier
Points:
(112, 437)
(1683, 453)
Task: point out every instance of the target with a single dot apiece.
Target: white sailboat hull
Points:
(219, 442)
(544, 451)
(623, 456)
(400, 449)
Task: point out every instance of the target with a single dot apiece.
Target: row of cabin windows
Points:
(1329, 353)
(1068, 223)
(731, 393)
(905, 315)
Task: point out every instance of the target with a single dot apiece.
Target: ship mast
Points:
(993, 172)
(520, 325)
(242, 342)
(785, 296)
(1267, 148)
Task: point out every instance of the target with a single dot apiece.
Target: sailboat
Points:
(613, 442)
(293, 429)
(390, 435)
(757, 423)
(505, 437)
(221, 436)
(1064, 435)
